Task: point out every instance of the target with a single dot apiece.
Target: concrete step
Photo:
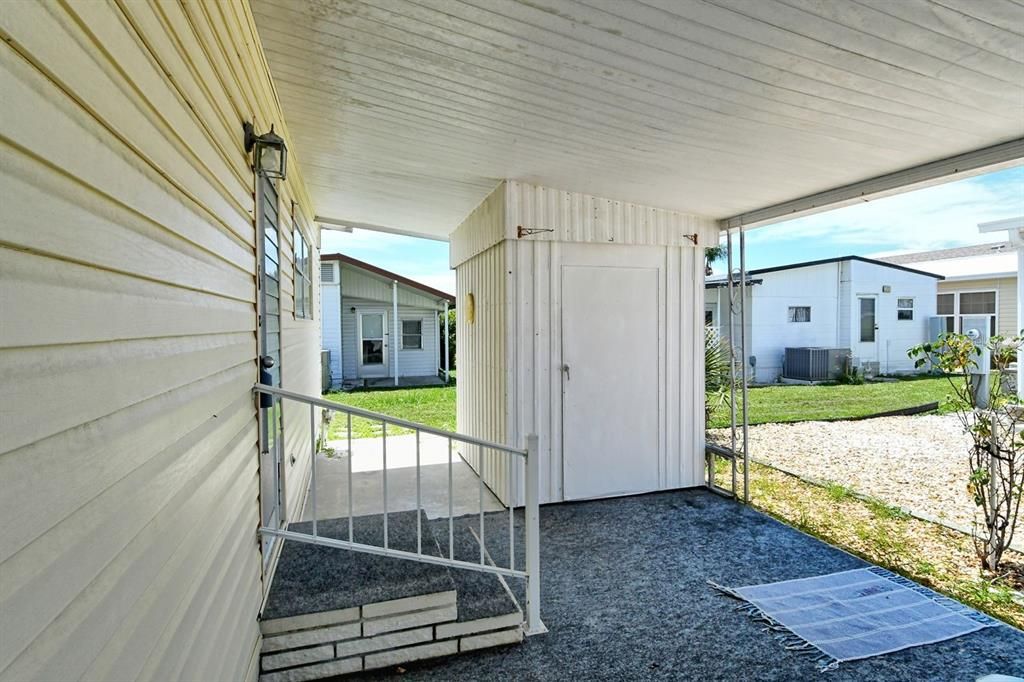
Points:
(332, 611)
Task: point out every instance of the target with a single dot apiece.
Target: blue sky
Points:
(933, 218)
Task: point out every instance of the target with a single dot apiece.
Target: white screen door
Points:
(867, 328)
(373, 344)
(270, 416)
(610, 329)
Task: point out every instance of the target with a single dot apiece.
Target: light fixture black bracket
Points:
(692, 238)
(527, 231)
(250, 136)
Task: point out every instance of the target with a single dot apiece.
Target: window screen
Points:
(904, 309)
(412, 334)
(978, 303)
(945, 304)
(799, 313)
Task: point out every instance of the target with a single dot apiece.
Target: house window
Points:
(799, 313)
(303, 276)
(904, 309)
(954, 306)
(412, 334)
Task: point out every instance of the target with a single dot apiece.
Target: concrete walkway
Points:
(368, 479)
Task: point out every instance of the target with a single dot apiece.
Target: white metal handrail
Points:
(531, 492)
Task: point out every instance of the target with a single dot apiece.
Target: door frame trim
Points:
(385, 366)
(601, 255)
(272, 549)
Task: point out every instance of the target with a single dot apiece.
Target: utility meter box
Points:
(976, 327)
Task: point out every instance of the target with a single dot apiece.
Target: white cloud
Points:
(445, 282)
(423, 260)
(931, 218)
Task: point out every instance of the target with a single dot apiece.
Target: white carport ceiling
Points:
(405, 114)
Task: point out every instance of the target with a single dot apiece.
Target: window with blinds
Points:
(302, 262)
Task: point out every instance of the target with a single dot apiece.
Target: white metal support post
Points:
(743, 358)
(1014, 228)
(1020, 317)
(447, 353)
(732, 355)
(531, 515)
(396, 332)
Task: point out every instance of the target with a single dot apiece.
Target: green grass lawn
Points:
(433, 406)
(806, 403)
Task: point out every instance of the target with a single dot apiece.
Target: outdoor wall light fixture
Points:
(271, 153)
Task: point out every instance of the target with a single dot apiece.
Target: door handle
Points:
(565, 368)
(267, 361)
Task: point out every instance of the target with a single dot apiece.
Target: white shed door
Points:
(610, 388)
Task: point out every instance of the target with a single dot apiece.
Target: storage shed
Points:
(576, 319)
(380, 327)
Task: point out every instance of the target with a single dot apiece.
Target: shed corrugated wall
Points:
(481, 396)
(530, 335)
(129, 459)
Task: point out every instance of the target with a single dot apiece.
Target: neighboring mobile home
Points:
(876, 310)
(158, 272)
(978, 280)
(378, 324)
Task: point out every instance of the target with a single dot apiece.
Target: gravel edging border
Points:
(868, 498)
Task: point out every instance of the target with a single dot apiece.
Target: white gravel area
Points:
(917, 463)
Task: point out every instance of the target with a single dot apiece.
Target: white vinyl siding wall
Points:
(411, 362)
(816, 287)
(127, 279)
(894, 336)
(509, 382)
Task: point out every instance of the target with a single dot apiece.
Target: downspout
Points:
(341, 329)
(839, 303)
(396, 334)
(447, 350)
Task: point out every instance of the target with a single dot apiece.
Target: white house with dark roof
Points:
(875, 309)
(380, 327)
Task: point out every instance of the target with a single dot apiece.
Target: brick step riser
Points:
(377, 636)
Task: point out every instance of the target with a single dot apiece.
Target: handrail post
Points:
(532, 517)
(312, 449)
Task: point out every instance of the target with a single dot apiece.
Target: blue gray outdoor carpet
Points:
(856, 614)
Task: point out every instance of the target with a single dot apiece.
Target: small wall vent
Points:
(327, 273)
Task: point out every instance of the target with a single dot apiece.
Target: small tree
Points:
(996, 481)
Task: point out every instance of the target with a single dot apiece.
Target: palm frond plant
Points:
(716, 372)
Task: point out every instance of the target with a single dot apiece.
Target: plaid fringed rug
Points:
(855, 614)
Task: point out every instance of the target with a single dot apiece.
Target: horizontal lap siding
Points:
(330, 320)
(411, 363)
(129, 462)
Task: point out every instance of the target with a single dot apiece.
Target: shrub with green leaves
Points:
(994, 422)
